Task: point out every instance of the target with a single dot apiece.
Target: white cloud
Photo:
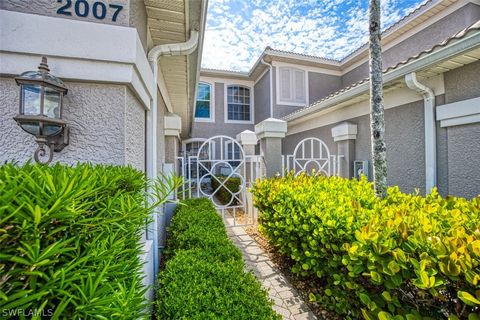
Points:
(239, 30)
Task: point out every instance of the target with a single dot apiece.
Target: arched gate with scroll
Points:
(221, 172)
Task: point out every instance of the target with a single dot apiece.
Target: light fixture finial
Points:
(43, 67)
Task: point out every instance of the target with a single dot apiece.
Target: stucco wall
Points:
(464, 160)
(99, 129)
(462, 142)
(462, 83)
(404, 134)
(404, 139)
(324, 133)
(321, 85)
(423, 40)
(134, 132)
(262, 98)
(219, 127)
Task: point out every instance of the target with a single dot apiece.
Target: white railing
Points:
(311, 155)
(228, 160)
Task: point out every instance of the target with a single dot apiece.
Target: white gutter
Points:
(269, 65)
(430, 130)
(172, 49)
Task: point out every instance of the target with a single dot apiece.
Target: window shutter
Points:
(299, 86)
(285, 84)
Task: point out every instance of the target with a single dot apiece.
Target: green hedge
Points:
(404, 257)
(204, 275)
(70, 241)
(223, 195)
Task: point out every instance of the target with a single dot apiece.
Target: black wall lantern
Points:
(41, 103)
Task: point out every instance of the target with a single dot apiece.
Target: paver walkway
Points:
(287, 302)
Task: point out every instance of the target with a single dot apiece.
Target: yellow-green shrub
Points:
(406, 256)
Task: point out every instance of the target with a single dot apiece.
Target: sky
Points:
(238, 31)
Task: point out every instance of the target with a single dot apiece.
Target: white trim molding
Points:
(344, 131)
(225, 102)
(271, 128)
(247, 138)
(212, 103)
(77, 50)
(305, 70)
(173, 125)
(459, 113)
(202, 140)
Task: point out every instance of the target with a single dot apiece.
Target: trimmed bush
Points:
(404, 257)
(70, 241)
(204, 276)
(223, 195)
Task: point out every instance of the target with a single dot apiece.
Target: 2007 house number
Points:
(82, 9)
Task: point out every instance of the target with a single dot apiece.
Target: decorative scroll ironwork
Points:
(45, 149)
(311, 156)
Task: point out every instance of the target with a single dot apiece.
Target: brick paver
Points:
(286, 300)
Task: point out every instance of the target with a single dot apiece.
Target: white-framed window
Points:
(291, 86)
(190, 148)
(204, 106)
(238, 102)
(233, 150)
(233, 153)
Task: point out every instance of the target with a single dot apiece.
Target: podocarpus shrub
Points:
(204, 276)
(223, 194)
(70, 241)
(404, 257)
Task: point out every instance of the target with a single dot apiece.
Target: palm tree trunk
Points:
(377, 118)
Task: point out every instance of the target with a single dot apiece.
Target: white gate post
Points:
(345, 135)
(248, 140)
(271, 132)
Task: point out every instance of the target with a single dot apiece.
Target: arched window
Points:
(203, 106)
(238, 103)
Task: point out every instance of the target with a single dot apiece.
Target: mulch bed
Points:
(304, 285)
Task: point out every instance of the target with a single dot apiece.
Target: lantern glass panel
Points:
(31, 95)
(31, 127)
(51, 129)
(51, 103)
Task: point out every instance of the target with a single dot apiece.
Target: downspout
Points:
(171, 49)
(269, 65)
(430, 130)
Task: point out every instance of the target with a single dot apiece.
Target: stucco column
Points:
(344, 135)
(173, 128)
(248, 140)
(270, 132)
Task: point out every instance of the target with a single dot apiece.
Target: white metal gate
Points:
(311, 156)
(220, 163)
